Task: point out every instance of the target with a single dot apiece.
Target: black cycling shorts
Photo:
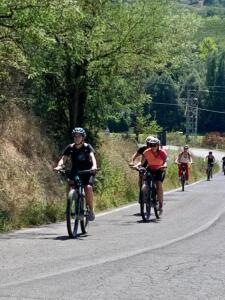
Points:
(159, 175)
(85, 179)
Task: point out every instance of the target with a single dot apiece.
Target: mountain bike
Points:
(76, 209)
(223, 168)
(148, 196)
(209, 171)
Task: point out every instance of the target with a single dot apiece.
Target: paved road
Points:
(180, 257)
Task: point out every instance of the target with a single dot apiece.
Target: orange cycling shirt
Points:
(155, 160)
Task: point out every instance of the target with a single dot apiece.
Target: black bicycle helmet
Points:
(79, 130)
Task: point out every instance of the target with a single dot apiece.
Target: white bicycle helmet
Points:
(79, 130)
(154, 140)
(148, 139)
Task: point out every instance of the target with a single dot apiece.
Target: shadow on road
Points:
(80, 237)
(149, 221)
(41, 236)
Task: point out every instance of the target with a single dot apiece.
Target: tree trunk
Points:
(76, 78)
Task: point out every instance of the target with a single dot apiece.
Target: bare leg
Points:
(159, 189)
(89, 196)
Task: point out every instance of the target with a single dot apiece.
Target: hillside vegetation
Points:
(29, 191)
(32, 194)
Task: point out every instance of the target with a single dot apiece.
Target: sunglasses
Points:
(153, 145)
(76, 136)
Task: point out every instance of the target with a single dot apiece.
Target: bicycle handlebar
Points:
(63, 171)
(142, 169)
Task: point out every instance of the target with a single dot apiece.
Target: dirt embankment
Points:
(26, 177)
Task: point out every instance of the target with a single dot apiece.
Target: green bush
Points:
(112, 187)
(37, 213)
(4, 221)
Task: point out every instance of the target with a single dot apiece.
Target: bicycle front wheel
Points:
(182, 182)
(84, 220)
(156, 204)
(145, 207)
(72, 213)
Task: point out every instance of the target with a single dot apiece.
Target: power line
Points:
(210, 110)
(199, 108)
(207, 90)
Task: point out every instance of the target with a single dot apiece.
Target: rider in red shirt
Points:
(184, 158)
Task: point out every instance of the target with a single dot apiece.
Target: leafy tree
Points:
(211, 120)
(164, 106)
(207, 46)
(88, 59)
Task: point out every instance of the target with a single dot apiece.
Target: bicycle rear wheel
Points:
(72, 213)
(145, 207)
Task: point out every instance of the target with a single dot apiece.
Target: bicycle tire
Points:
(72, 213)
(182, 182)
(211, 173)
(208, 174)
(154, 200)
(145, 207)
(84, 221)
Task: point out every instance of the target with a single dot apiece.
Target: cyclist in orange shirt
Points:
(156, 162)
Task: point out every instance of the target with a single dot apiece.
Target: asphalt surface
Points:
(181, 256)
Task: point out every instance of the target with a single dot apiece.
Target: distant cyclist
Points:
(156, 162)
(210, 159)
(82, 158)
(223, 164)
(184, 159)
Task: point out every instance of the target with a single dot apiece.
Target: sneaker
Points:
(91, 215)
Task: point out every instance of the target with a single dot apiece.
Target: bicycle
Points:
(223, 168)
(183, 175)
(76, 209)
(147, 199)
(209, 171)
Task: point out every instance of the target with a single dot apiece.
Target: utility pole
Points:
(191, 113)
